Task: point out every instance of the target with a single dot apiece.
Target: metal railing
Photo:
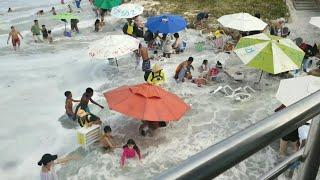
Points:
(220, 157)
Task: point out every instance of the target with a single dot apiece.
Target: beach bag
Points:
(130, 29)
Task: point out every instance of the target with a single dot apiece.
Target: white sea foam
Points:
(34, 79)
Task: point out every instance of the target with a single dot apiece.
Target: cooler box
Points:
(88, 135)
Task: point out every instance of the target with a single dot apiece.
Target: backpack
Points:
(156, 76)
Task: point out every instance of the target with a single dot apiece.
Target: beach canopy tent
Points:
(146, 102)
(292, 90)
(315, 21)
(166, 23)
(113, 46)
(242, 22)
(106, 4)
(128, 10)
(65, 17)
(269, 53)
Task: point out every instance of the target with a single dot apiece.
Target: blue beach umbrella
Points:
(166, 23)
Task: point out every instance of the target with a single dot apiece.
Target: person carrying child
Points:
(130, 150)
(69, 105)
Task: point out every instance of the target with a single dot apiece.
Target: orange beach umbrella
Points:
(146, 102)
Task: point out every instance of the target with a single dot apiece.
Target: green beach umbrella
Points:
(269, 53)
(107, 4)
(66, 17)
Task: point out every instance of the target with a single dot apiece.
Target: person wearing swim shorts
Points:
(14, 35)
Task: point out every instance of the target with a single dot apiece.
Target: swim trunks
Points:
(15, 41)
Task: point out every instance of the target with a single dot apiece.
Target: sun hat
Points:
(46, 158)
(156, 68)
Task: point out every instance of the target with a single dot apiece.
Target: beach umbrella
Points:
(113, 46)
(166, 24)
(315, 21)
(128, 10)
(242, 22)
(65, 17)
(146, 102)
(269, 53)
(106, 4)
(292, 90)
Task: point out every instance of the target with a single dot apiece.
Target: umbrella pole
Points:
(260, 76)
(65, 27)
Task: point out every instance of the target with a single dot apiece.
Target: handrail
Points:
(283, 166)
(218, 158)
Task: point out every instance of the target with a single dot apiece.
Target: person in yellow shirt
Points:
(157, 76)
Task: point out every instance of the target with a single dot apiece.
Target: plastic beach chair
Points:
(88, 135)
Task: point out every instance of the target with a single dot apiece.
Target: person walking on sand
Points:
(14, 34)
(69, 105)
(86, 97)
(48, 163)
(146, 64)
(130, 150)
(35, 29)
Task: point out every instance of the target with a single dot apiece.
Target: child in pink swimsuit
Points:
(130, 150)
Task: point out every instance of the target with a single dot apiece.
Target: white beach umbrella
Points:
(113, 46)
(315, 21)
(128, 10)
(242, 22)
(292, 90)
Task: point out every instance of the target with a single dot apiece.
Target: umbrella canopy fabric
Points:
(315, 21)
(106, 4)
(113, 46)
(66, 16)
(166, 24)
(269, 53)
(128, 10)
(242, 22)
(146, 102)
(292, 90)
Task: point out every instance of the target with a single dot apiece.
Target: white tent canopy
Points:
(293, 90)
(242, 22)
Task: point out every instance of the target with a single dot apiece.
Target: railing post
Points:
(311, 154)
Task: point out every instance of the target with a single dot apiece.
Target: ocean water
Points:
(34, 79)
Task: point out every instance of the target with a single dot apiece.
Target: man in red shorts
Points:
(15, 38)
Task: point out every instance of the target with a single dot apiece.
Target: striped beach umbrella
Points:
(269, 53)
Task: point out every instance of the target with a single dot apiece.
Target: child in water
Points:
(106, 139)
(130, 150)
(68, 105)
(50, 39)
